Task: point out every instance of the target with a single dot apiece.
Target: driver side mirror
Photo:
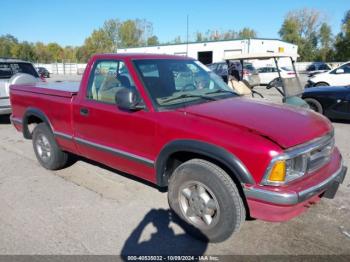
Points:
(128, 99)
(339, 71)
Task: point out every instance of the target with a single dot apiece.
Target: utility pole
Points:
(187, 38)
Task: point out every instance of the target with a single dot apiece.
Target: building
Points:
(215, 51)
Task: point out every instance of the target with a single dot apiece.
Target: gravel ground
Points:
(89, 209)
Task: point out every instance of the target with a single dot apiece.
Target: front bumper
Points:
(293, 198)
(285, 202)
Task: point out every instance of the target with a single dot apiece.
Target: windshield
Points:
(173, 83)
(7, 70)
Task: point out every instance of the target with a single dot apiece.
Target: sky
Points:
(69, 22)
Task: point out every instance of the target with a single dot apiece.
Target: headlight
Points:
(296, 162)
(284, 170)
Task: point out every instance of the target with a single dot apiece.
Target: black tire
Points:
(314, 105)
(46, 149)
(321, 84)
(231, 212)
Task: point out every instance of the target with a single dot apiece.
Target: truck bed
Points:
(53, 99)
(63, 89)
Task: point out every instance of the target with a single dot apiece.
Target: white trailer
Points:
(215, 51)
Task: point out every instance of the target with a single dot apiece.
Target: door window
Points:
(107, 78)
(346, 68)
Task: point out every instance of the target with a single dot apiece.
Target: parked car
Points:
(250, 74)
(269, 74)
(176, 124)
(13, 71)
(331, 101)
(43, 72)
(316, 68)
(339, 76)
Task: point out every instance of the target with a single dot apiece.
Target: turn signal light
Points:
(278, 172)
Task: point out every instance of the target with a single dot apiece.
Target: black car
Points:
(331, 101)
(43, 72)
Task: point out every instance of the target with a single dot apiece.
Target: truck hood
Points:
(285, 125)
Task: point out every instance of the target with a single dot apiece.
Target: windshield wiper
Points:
(188, 96)
(220, 91)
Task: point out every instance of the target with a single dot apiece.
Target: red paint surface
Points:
(277, 213)
(249, 129)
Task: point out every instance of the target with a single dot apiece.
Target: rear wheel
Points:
(206, 200)
(314, 105)
(46, 149)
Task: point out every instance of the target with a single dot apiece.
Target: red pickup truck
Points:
(173, 122)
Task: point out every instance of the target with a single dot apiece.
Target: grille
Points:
(321, 154)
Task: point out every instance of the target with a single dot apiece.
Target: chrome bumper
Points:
(286, 198)
(5, 110)
(5, 106)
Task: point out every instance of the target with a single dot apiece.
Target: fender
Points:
(209, 150)
(37, 113)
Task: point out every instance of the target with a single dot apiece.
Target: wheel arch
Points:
(31, 116)
(321, 82)
(179, 151)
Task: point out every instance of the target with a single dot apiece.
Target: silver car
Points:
(13, 71)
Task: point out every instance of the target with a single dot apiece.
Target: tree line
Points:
(306, 28)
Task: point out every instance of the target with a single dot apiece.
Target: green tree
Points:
(42, 53)
(130, 34)
(301, 27)
(290, 31)
(69, 53)
(325, 36)
(55, 52)
(24, 51)
(98, 42)
(247, 33)
(111, 29)
(153, 40)
(342, 45)
(82, 55)
(7, 43)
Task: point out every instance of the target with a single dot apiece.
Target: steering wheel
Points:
(274, 83)
(188, 87)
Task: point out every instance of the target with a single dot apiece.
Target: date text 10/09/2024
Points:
(173, 258)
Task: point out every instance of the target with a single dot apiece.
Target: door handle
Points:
(84, 111)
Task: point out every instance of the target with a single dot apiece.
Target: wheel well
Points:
(30, 122)
(313, 100)
(322, 82)
(177, 158)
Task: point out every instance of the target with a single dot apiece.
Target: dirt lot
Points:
(88, 209)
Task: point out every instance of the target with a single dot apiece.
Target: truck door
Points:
(103, 132)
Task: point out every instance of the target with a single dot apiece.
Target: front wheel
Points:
(206, 200)
(314, 105)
